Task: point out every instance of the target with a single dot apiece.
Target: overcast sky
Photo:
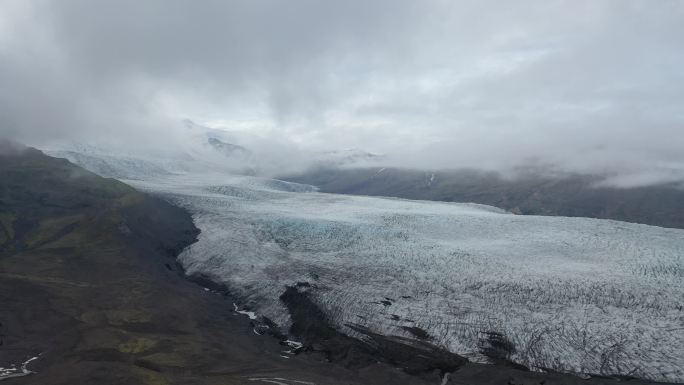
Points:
(595, 84)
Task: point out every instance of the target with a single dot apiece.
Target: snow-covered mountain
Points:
(199, 148)
(353, 157)
(194, 149)
(569, 294)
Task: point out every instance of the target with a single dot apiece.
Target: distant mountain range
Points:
(355, 171)
(530, 193)
(200, 148)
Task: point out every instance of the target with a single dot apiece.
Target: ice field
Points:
(572, 294)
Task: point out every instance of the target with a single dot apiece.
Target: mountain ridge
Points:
(573, 195)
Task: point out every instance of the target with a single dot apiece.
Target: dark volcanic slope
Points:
(570, 195)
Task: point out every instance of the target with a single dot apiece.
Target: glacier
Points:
(576, 295)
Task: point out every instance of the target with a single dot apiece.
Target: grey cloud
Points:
(582, 85)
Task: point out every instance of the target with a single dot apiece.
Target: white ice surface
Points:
(573, 294)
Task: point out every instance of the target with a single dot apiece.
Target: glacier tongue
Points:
(569, 294)
(572, 294)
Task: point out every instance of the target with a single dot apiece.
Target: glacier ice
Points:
(570, 294)
(573, 294)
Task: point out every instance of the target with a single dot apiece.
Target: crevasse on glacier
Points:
(571, 294)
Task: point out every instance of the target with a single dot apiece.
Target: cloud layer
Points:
(580, 85)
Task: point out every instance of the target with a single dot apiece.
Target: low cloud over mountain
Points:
(576, 85)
